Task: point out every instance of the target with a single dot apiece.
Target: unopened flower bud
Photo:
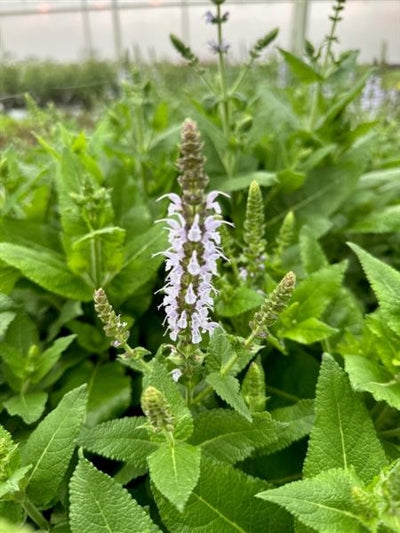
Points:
(253, 232)
(157, 410)
(112, 324)
(273, 305)
(253, 388)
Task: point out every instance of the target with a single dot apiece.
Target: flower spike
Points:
(191, 259)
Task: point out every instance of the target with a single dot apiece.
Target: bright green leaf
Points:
(46, 268)
(309, 331)
(370, 376)
(263, 178)
(125, 439)
(323, 502)
(29, 406)
(227, 387)
(343, 434)
(312, 255)
(50, 446)
(175, 469)
(223, 502)
(49, 357)
(385, 282)
(240, 301)
(227, 436)
(299, 68)
(311, 296)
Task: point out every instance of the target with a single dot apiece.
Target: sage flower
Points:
(191, 259)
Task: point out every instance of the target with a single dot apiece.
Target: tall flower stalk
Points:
(191, 260)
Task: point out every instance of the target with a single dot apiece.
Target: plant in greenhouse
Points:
(239, 369)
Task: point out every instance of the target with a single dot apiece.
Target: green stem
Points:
(380, 419)
(34, 513)
(224, 106)
(241, 77)
(282, 394)
(286, 479)
(145, 367)
(388, 433)
(95, 261)
(140, 146)
(224, 370)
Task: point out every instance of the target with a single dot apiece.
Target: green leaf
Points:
(385, 282)
(50, 446)
(385, 220)
(219, 350)
(7, 313)
(49, 357)
(241, 300)
(109, 393)
(12, 485)
(175, 470)
(263, 178)
(324, 502)
(162, 380)
(46, 268)
(29, 406)
(290, 180)
(328, 186)
(312, 255)
(140, 265)
(125, 439)
(342, 102)
(227, 436)
(9, 527)
(370, 376)
(301, 70)
(343, 434)
(312, 295)
(296, 422)
(308, 331)
(227, 387)
(100, 505)
(223, 502)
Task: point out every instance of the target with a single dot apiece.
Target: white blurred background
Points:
(70, 30)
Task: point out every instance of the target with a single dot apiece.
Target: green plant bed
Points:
(199, 304)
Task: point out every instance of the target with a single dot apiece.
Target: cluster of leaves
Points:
(289, 426)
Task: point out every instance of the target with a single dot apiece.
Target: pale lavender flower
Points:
(217, 48)
(191, 259)
(210, 18)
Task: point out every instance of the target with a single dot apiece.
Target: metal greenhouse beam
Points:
(299, 26)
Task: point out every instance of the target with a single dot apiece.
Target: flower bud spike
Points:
(112, 324)
(253, 232)
(273, 305)
(253, 387)
(285, 236)
(157, 410)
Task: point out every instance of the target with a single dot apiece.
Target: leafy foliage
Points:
(295, 396)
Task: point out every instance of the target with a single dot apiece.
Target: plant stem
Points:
(224, 370)
(224, 106)
(145, 367)
(282, 394)
(34, 513)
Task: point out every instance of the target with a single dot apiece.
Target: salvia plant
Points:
(200, 317)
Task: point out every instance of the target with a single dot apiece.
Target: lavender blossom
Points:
(217, 48)
(191, 259)
(210, 18)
